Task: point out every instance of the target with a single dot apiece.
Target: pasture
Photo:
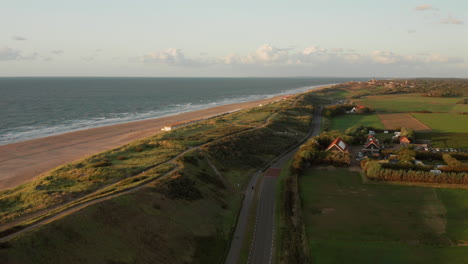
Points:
(412, 103)
(343, 122)
(444, 122)
(350, 222)
(393, 121)
(446, 140)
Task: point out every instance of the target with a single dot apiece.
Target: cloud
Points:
(7, 54)
(269, 57)
(56, 52)
(452, 20)
(19, 38)
(411, 31)
(173, 56)
(424, 8)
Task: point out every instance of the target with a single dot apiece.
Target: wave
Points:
(24, 133)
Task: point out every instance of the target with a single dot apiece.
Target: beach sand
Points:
(20, 162)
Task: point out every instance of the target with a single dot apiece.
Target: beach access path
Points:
(21, 162)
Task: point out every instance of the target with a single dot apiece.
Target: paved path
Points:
(262, 243)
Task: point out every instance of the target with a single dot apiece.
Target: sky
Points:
(217, 38)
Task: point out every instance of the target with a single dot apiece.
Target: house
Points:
(166, 128)
(372, 145)
(338, 145)
(435, 171)
(385, 132)
(404, 141)
(372, 133)
(353, 110)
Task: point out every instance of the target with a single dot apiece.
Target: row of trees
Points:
(375, 171)
(451, 161)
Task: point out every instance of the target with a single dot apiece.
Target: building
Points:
(404, 141)
(372, 145)
(166, 128)
(338, 145)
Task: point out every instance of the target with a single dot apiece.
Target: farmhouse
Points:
(404, 141)
(372, 145)
(338, 145)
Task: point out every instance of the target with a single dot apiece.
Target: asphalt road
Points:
(261, 250)
(262, 245)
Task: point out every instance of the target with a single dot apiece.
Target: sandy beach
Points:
(20, 162)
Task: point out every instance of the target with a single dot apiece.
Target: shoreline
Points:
(22, 161)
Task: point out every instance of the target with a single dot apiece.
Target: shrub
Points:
(451, 161)
(121, 157)
(101, 163)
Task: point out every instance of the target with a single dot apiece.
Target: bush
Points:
(121, 157)
(179, 187)
(452, 162)
(101, 163)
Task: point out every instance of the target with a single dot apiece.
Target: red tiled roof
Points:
(404, 139)
(339, 143)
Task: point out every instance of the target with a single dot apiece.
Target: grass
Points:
(351, 222)
(412, 102)
(187, 217)
(343, 122)
(444, 122)
(446, 140)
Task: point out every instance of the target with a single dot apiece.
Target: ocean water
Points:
(39, 107)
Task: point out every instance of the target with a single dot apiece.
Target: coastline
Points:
(22, 161)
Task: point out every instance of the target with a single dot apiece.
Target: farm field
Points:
(444, 122)
(446, 140)
(350, 222)
(343, 122)
(411, 103)
(392, 121)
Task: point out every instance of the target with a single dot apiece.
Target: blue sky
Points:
(234, 38)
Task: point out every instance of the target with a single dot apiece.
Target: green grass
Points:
(443, 122)
(343, 122)
(446, 140)
(412, 102)
(351, 222)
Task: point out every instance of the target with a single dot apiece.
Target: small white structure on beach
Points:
(166, 128)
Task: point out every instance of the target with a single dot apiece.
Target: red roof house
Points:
(338, 145)
(404, 141)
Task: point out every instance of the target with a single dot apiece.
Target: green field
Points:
(446, 140)
(351, 222)
(342, 122)
(412, 102)
(443, 122)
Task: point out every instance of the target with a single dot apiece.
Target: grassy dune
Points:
(184, 218)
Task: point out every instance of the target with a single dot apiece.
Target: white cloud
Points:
(9, 54)
(424, 8)
(172, 56)
(56, 52)
(19, 38)
(452, 20)
(268, 56)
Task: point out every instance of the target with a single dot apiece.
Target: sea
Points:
(33, 107)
